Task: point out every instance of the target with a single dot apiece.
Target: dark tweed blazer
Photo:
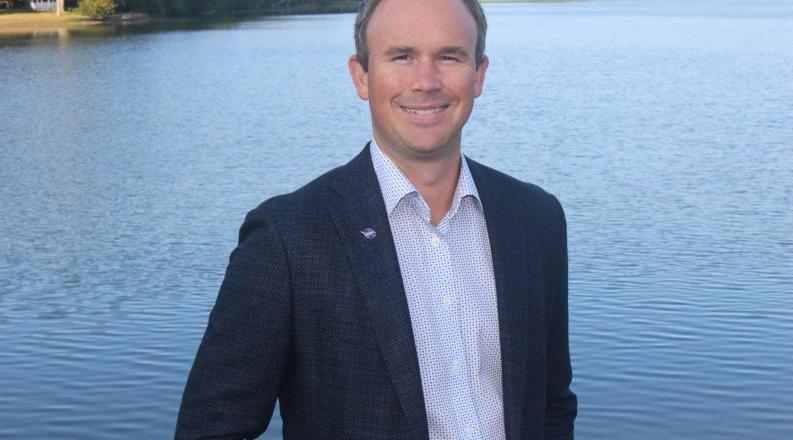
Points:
(314, 314)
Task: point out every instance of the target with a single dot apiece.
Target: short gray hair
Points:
(367, 7)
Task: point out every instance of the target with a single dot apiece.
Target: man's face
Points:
(422, 78)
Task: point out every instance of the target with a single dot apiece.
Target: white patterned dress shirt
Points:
(447, 271)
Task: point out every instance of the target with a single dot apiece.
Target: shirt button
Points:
(456, 367)
(436, 240)
(447, 300)
(469, 429)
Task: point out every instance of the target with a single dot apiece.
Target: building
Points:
(42, 5)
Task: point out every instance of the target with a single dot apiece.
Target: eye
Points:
(449, 59)
(401, 58)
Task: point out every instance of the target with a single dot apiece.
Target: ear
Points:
(359, 77)
(480, 75)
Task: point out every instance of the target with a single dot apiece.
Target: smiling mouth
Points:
(424, 111)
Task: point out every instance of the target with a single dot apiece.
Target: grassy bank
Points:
(38, 20)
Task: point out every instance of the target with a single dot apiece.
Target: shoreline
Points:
(42, 20)
(15, 22)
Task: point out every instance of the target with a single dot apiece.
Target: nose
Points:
(427, 76)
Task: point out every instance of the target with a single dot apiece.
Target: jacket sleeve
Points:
(562, 403)
(234, 381)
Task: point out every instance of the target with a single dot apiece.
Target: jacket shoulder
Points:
(305, 202)
(515, 192)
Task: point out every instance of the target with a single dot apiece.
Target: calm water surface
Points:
(128, 159)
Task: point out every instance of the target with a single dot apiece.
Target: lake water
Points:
(129, 157)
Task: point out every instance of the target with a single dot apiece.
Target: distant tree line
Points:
(171, 8)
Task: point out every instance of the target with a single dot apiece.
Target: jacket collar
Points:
(360, 207)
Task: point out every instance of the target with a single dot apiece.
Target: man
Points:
(409, 294)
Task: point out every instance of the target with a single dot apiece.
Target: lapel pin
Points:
(369, 233)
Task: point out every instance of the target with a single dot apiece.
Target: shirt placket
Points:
(444, 301)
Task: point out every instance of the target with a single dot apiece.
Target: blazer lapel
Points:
(359, 206)
(519, 304)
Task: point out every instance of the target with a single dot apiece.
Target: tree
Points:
(59, 7)
(97, 9)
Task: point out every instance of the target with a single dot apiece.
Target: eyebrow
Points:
(456, 50)
(446, 50)
(399, 50)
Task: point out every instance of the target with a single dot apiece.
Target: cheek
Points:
(465, 85)
(388, 84)
(460, 84)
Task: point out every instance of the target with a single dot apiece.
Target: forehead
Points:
(421, 24)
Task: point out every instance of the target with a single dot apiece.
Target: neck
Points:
(434, 179)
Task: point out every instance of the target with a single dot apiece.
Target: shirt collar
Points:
(395, 186)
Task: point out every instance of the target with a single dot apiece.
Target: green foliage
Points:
(176, 7)
(97, 9)
(172, 8)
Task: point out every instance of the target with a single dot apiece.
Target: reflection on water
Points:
(129, 157)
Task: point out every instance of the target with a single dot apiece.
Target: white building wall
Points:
(42, 5)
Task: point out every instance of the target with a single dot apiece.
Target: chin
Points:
(432, 144)
(420, 144)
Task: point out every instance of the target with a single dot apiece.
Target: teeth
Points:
(417, 111)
